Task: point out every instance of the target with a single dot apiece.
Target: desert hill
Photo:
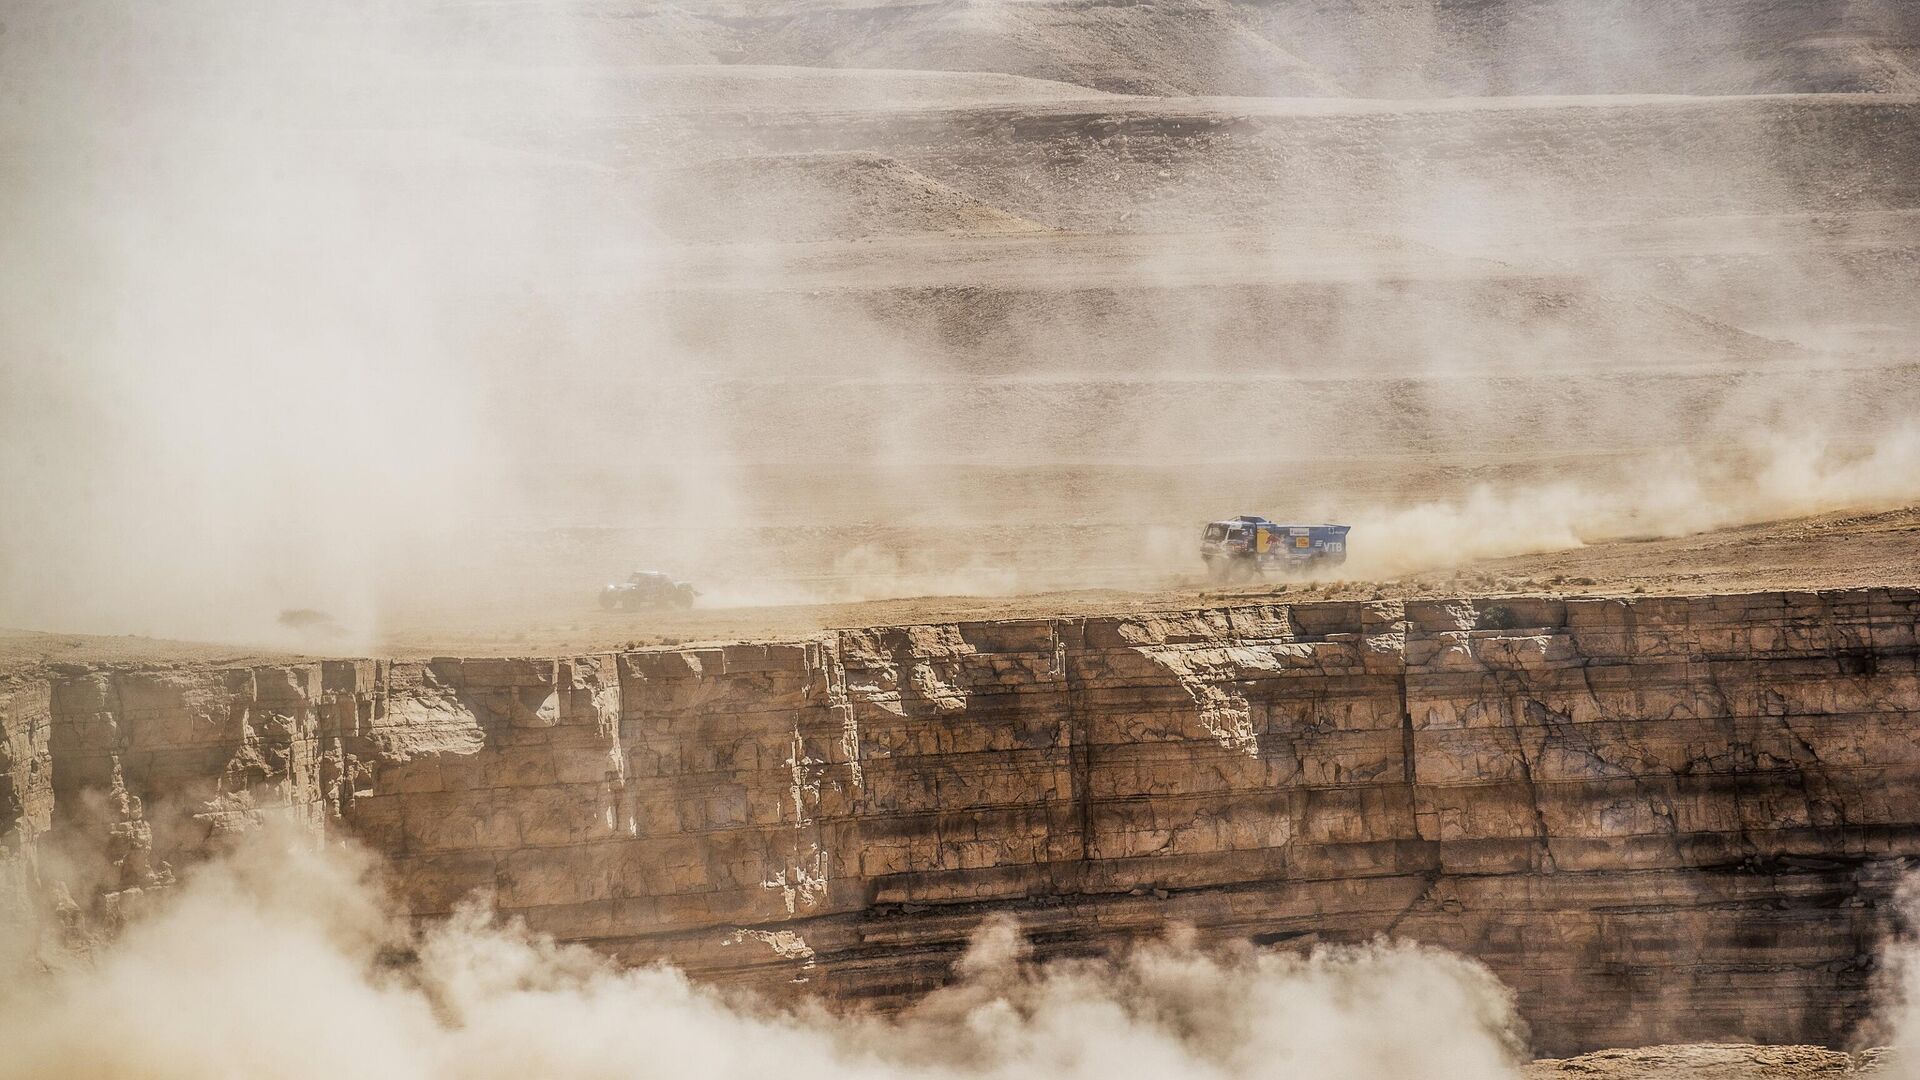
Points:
(1342, 48)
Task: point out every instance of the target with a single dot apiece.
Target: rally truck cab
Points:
(1244, 546)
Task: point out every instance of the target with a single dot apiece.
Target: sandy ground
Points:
(1710, 1061)
(1827, 552)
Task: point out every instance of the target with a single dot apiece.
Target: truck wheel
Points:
(683, 596)
(609, 601)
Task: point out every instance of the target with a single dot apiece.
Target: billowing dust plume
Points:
(374, 314)
(1790, 473)
(1895, 1023)
(281, 962)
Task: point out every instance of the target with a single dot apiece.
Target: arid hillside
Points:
(827, 300)
(1337, 48)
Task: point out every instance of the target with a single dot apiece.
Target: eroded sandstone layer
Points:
(1659, 819)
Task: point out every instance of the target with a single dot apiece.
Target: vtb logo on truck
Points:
(1244, 547)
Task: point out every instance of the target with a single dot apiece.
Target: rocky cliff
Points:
(1659, 819)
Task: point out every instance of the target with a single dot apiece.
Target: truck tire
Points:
(683, 596)
(609, 600)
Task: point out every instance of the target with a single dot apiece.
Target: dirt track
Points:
(1831, 551)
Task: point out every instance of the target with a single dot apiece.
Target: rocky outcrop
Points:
(1659, 819)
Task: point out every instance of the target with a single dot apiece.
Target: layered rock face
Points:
(1659, 819)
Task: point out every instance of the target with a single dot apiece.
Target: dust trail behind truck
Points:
(1245, 547)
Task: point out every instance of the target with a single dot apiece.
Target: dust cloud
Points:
(281, 961)
(1790, 475)
(374, 317)
(231, 384)
(1895, 1023)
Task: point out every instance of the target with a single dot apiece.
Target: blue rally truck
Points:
(1244, 547)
